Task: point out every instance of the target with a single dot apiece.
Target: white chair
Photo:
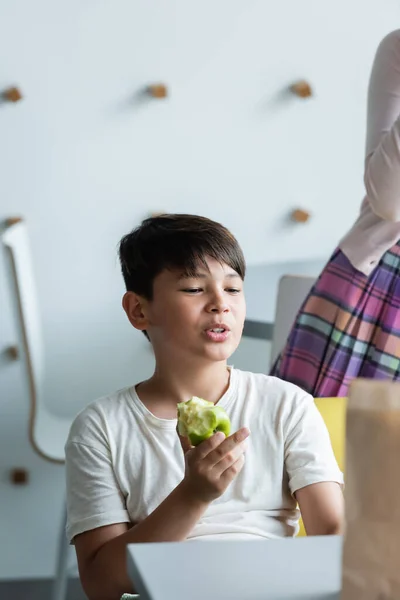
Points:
(47, 432)
(292, 291)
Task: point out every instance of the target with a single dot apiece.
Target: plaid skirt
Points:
(348, 326)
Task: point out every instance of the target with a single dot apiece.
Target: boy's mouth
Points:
(218, 327)
(218, 333)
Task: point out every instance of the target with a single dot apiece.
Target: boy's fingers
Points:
(185, 443)
(216, 446)
(236, 438)
(229, 445)
(234, 469)
(230, 457)
(206, 447)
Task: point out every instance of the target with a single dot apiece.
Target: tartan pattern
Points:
(349, 326)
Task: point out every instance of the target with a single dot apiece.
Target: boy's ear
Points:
(135, 309)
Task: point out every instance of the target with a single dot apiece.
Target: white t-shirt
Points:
(122, 461)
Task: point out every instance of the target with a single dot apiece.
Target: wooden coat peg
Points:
(13, 221)
(12, 352)
(12, 94)
(302, 89)
(19, 476)
(158, 90)
(300, 216)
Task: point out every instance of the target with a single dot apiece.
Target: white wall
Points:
(84, 157)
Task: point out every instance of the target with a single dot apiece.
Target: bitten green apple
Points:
(199, 419)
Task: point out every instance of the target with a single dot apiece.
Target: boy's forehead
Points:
(210, 269)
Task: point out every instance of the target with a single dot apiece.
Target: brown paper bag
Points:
(371, 554)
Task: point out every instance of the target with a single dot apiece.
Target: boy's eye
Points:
(192, 290)
(233, 290)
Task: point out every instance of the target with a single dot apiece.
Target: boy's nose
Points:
(218, 306)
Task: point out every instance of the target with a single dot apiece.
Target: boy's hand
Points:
(212, 465)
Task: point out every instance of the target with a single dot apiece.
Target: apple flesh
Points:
(199, 419)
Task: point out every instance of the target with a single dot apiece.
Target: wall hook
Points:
(302, 89)
(300, 216)
(158, 90)
(13, 221)
(12, 94)
(12, 352)
(19, 476)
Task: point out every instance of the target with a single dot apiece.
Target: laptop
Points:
(306, 568)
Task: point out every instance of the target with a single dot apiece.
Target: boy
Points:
(129, 476)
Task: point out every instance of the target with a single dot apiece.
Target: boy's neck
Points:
(168, 386)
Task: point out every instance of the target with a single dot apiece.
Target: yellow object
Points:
(333, 411)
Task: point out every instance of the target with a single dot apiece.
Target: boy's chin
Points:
(220, 352)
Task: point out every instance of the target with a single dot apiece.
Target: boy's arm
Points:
(315, 479)
(209, 469)
(322, 508)
(101, 552)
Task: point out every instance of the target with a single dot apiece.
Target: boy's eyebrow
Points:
(194, 275)
(201, 275)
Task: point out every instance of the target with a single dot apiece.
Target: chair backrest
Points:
(292, 291)
(15, 239)
(333, 411)
(47, 431)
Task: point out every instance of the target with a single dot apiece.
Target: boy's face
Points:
(202, 315)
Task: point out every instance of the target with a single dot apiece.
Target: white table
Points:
(284, 569)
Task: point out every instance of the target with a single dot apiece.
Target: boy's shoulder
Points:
(271, 390)
(274, 402)
(274, 385)
(97, 418)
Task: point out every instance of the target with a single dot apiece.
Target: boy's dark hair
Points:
(175, 241)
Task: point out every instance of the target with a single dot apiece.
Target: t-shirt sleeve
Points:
(94, 498)
(309, 456)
